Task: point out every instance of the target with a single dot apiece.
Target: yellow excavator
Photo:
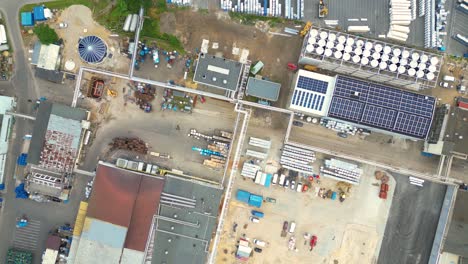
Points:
(111, 92)
(306, 29)
(323, 9)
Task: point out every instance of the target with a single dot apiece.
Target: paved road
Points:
(412, 222)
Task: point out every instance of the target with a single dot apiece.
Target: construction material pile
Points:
(144, 94)
(402, 12)
(217, 149)
(131, 144)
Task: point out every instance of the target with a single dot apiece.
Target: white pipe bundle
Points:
(400, 28)
(358, 29)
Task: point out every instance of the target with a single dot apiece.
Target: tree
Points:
(46, 34)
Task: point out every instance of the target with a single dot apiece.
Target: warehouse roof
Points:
(27, 19)
(457, 235)
(38, 12)
(46, 56)
(456, 131)
(263, 89)
(186, 239)
(218, 72)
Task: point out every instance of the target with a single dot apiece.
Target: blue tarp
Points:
(268, 180)
(21, 192)
(22, 159)
(255, 200)
(2, 186)
(243, 196)
(27, 19)
(38, 12)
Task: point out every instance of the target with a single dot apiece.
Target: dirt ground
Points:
(81, 24)
(348, 233)
(112, 118)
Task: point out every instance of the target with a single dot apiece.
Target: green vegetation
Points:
(45, 34)
(250, 19)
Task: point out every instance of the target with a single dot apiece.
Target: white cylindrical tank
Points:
(339, 47)
(348, 49)
(328, 52)
(420, 74)
(422, 66)
(310, 48)
(405, 54)
(127, 22)
(364, 61)
(359, 43)
(330, 44)
(374, 63)
(346, 57)
(368, 45)
(70, 65)
(385, 57)
(396, 52)
(411, 72)
(413, 64)
(378, 47)
(393, 67)
(434, 60)
(331, 37)
(319, 50)
(338, 54)
(387, 50)
(366, 53)
(376, 55)
(424, 58)
(350, 41)
(323, 35)
(313, 32)
(401, 69)
(312, 40)
(432, 68)
(403, 62)
(383, 65)
(395, 60)
(430, 76)
(322, 43)
(356, 58)
(358, 51)
(415, 56)
(341, 39)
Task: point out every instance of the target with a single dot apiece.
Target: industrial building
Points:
(6, 104)
(119, 216)
(263, 89)
(448, 134)
(186, 221)
(457, 234)
(54, 147)
(217, 72)
(46, 57)
(369, 59)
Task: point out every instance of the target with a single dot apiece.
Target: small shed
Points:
(38, 12)
(263, 89)
(27, 19)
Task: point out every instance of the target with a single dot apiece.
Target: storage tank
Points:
(392, 67)
(422, 66)
(330, 45)
(432, 68)
(424, 58)
(364, 61)
(405, 54)
(395, 60)
(313, 32)
(331, 37)
(420, 74)
(134, 23)
(346, 56)
(339, 47)
(366, 53)
(359, 43)
(401, 69)
(383, 65)
(403, 62)
(350, 41)
(127, 22)
(378, 47)
(323, 35)
(322, 43)
(387, 50)
(338, 54)
(341, 39)
(396, 52)
(376, 55)
(358, 51)
(309, 48)
(374, 63)
(312, 40)
(356, 58)
(415, 56)
(384, 57)
(368, 46)
(413, 64)
(319, 50)
(328, 52)
(434, 60)
(411, 72)
(348, 49)
(430, 76)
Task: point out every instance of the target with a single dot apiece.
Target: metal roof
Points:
(263, 89)
(218, 72)
(38, 12)
(49, 75)
(457, 235)
(27, 19)
(92, 49)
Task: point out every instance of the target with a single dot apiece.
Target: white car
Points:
(293, 185)
(299, 187)
(259, 242)
(63, 25)
(254, 219)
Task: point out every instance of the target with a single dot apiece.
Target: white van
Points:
(259, 242)
(449, 78)
(292, 227)
(275, 179)
(281, 180)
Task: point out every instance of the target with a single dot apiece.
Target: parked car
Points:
(63, 25)
(342, 135)
(286, 184)
(274, 181)
(254, 219)
(259, 242)
(282, 180)
(258, 250)
(299, 187)
(313, 242)
(293, 185)
(297, 123)
(444, 84)
(292, 227)
(285, 226)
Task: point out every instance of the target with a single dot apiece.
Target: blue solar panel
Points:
(310, 84)
(308, 99)
(382, 107)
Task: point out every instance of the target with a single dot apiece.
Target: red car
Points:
(313, 242)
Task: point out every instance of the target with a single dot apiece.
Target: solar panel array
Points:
(382, 107)
(311, 93)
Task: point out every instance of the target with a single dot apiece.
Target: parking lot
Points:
(348, 232)
(164, 132)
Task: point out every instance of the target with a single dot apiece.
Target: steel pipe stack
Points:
(402, 12)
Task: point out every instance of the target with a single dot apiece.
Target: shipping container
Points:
(258, 214)
(255, 200)
(268, 180)
(243, 196)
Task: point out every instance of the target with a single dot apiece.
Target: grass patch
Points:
(45, 34)
(249, 19)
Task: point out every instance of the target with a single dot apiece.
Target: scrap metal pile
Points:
(144, 94)
(131, 144)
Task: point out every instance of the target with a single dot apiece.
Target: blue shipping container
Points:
(268, 180)
(243, 196)
(333, 197)
(255, 200)
(258, 214)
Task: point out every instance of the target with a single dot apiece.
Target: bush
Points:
(46, 34)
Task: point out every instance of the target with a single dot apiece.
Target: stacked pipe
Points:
(413, 10)
(422, 8)
(401, 15)
(429, 33)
